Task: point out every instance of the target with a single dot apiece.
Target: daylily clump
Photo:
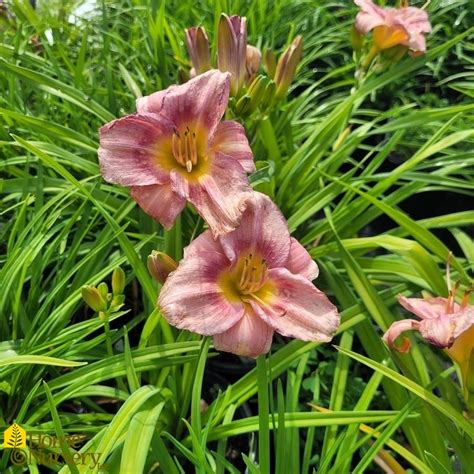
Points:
(404, 26)
(247, 284)
(176, 149)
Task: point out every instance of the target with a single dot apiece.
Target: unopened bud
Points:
(286, 67)
(232, 49)
(256, 91)
(118, 281)
(93, 298)
(269, 59)
(103, 290)
(198, 49)
(242, 107)
(252, 63)
(268, 95)
(160, 265)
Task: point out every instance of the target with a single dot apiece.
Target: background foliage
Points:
(375, 180)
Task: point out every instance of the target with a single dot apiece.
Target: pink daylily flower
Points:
(247, 284)
(392, 26)
(442, 321)
(176, 149)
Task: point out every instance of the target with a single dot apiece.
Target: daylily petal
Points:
(298, 309)
(438, 331)
(191, 298)
(416, 18)
(160, 202)
(425, 308)
(250, 337)
(369, 17)
(230, 139)
(300, 261)
(153, 103)
(200, 102)
(398, 328)
(219, 196)
(263, 230)
(131, 148)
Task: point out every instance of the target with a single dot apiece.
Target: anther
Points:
(465, 298)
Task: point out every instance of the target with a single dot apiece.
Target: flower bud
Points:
(232, 49)
(242, 107)
(160, 265)
(252, 63)
(268, 95)
(118, 281)
(198, 49)
(103, 290)
(286, 67)
(269, 59)
(93, 298)
(256, 91)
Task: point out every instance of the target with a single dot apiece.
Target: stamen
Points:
(448, 271)
(185, 149)
(465, 298)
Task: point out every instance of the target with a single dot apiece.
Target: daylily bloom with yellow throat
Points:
(176, 149)
(247, 284)
(393, 26)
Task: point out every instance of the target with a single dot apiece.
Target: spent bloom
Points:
(442, 321)
(176, 149)
(393, 26)
(247, 284)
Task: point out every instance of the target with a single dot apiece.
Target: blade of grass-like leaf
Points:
(418, 390)
(65, 451)
(137, 442)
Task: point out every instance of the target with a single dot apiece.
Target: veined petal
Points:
(263, 230)
(438, 331)
(132, 147)
(369, 17)
(230, 139)
(191, 298)
(219, 196)
(199, 103)
(416, 19)
(300, 261)
(443, 331)
(426, 308)
(160, 202)
(398, 328)
(298, 309)
(250, 337)
(153, 102)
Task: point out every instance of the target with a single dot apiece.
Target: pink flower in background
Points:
(393, 26)
(176, 149)
(442, 321)
(247, 284)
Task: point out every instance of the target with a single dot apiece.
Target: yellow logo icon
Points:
(14, 437)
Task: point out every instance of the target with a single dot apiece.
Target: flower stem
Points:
(263, 416)
(108, 337)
